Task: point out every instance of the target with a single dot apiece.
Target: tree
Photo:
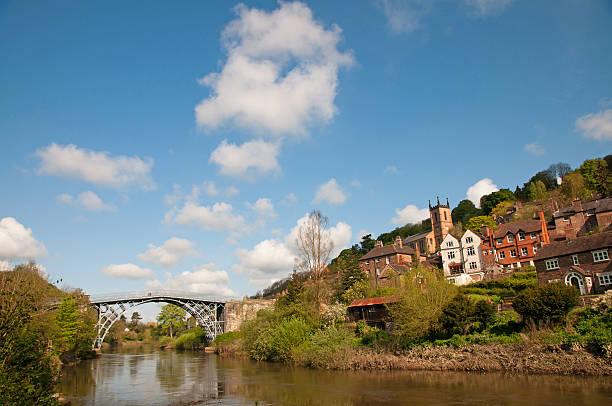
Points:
(457, 314)
(367, 243)
(68, 323)
(573, 186)
(464, 211)
(136, 317)
(484, 312)
(488, 202)
(537, 191)
(559, 170)
(171, 317)
(549, 180)
(551, 301)
(350, 274)
(594, 171)
(476, 223)
(315, 245)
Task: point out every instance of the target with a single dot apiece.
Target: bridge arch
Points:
(209, 313)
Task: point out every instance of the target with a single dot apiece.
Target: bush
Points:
(484, 313)
(457, 314)
(546, 302)
(277, 341)
(191, 340)
(227, 338)
(327, 348)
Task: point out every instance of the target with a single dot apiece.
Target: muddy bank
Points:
(515, 358)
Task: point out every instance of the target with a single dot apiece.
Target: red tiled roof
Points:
(527, 226)
(387, 250)
(375, 301)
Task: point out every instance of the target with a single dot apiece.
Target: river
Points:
(143, 375)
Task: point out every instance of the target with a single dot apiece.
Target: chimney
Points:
(577, 205)
(570, 232)
(545, 237)
(485, 231)
(378, 244)
(417, 251)
(398, 242)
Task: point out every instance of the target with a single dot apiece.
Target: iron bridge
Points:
(209, 312)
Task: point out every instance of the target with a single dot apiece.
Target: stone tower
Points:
(441, 221)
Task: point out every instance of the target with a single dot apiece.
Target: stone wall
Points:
(240, 311)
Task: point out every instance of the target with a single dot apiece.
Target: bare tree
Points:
(315, 246)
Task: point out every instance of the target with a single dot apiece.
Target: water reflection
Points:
(146, 376)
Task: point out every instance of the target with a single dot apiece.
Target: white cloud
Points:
(534, 149)
(205, 280)
(485, 8)
(274, 259)
(128, 271)
(391, 169)
(86, 200)
(409, 215)
(97, 167)
(403, 16)
(479, 189)
(281, 72)
(231, 192)
(249, 160)
(330, 192)
(16, 241)
(169, 253)
(263, 208)
(218, 217)
(289, 200)
(355, 183)
(210, 189)
(597, 126)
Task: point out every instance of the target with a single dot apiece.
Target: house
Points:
(462, 258)
(381, 255)
(373, 311)
(516, 243)
(581, 218)
(583, 262)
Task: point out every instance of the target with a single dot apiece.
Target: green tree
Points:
(573, 186)
(68, 323)
(594, 172)
(548, 179)
(171, 318)
(484, 312)
(350, 273)
(537, 191)
(359, 290)
(488, 202)
(464, 211)
(476, 223)
(136, 317)
(551, 301)
(457, 314)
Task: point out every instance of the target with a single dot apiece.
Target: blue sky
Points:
(178, 145)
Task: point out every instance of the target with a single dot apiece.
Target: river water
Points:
(146, 376)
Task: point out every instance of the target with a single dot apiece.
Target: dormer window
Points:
(499, 241)
(510, 238)
(521, 236)
(449, 244)
(469, 240)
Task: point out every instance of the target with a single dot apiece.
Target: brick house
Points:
(516, 243)
(580, 218)
(583, 262)
(381, 255)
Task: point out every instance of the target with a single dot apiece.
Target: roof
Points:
(387, 250)
(599, 206)
(416, 237)
(375, 301)
(579, 244)
(526, 226)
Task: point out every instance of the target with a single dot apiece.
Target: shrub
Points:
(484, 313)
(191, 339)
(457, 314)
(277, 341)
(327, 348)
(546, 302)
(227, 338)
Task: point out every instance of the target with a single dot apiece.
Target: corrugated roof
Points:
(375, 301)
(386, 250)
(575, 245)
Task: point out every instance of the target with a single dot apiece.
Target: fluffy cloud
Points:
(128, 271)
(249, 160)
(330, 192)
(409, 215)
(289, 200)
(597, 126)
(97, 167)
(218, 217)
(87, 200)
(479, 189)
(205, 280)
(16, 241)
(169, 253)
(403, 16)
(284, 58)
(485, 8)
(534, 149)
(274, 259)
(263, 208)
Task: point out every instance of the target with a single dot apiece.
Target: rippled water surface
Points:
(146, 376)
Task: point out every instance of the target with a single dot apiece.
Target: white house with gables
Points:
(462, 258)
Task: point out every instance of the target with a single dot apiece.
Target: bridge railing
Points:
(145, 294)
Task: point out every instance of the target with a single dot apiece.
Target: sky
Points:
(164, 145)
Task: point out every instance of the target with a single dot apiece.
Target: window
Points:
(575, 260)
(451, 255)
(566, 218)
(605, 279)
(524, 251)
(387, 258)
(490, 252)
(473, 265)
(521, 236)
(470, 251)
(590, 212)
(533, 236)
(449, 244)
(502, 255)
(469, 240)
(552, 264)
(601, 255)
(367, 263)
(499, 242)
(513, 253)
(445, 216)
(510, 238)
(376, 260)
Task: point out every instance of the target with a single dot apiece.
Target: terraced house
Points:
(583, 262)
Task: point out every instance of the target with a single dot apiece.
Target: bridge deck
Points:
(156, 295)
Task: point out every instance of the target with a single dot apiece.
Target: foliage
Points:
(334, 314)
(545, 178)
(457, 314)
(476, 223)
(595, 329)
(277, 342)
(546, 302)
(405, 231)
(537, 191)
(171, 317)
(464, 211)
(505, 287)
(558, 170)
(191, 339)
(573, 186)
(488, 202)
(227, 338)
(484, 313)
(350, 274)
(596, 175)
(328, 347)
(359, 290)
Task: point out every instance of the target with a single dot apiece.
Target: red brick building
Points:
(580, 218)
(380, 256)
(583, 262)
(516, 243)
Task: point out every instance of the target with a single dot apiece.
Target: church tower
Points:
(441, 221)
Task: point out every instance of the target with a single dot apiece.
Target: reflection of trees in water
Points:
(78, 380)
(170, 370)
